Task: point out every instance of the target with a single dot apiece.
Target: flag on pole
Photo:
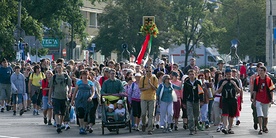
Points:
(143, 50)
(28, 57)
(172, 61)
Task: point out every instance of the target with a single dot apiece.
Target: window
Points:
(211, 59)
(93, 20)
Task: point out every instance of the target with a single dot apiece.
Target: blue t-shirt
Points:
(5, 74)
(90, 83)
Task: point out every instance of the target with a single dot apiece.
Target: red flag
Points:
(143, 50)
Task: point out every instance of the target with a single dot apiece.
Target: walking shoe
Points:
(207, 125)
(58, 129)
(185, 126)
(265, 129)
(45, 120)
(218, 129)
(255, 126)
(150, 132)
(50, 123)
(82, 131)
(144, 128)
(169, 130)
(224, 131)
(260, 132)
(157, 126)
(230, 131)
(37, 112)
(171, 125)
(14, 112)
(21, 112)
(2, 110)
(238, 122)
(67, 126)
(175, 128)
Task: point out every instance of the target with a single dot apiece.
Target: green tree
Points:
(191, 24)
(244, 20)
(121, 22)
(8, 22)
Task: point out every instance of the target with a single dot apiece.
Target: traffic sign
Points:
(50, 42)
(64, 52)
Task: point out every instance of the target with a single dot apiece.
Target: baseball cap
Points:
(228, 70)
(111, 106)
(120, 102)
(161, 62)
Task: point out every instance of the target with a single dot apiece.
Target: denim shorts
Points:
(17, 98)
(45, 105)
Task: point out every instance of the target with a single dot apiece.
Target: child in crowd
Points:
(120, 111)
(110, 115)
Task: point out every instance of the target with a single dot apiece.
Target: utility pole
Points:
(270, 35)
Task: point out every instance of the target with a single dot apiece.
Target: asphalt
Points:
(29, 126)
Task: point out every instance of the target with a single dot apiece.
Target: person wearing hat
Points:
(105, 76)
(220, 65)
(229, 88)
(110, 114)
(134, 100)
(161, 67)
(5, 84)
(120, 111)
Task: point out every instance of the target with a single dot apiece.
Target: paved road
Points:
(29, 126)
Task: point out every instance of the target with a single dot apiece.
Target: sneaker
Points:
(82, 131)
(230, 131)
(224, 131)
(157, 126)
(169, 130)
(137, 129)
(162, 127)
(50, 123)
(37, 112)
(21, 112)
(207, 125)
(58, 129)
(185, 126)
(2, 110)
(62, 126)
(238, 122)
(90, 129)
(45, 120)
(265, 130)
(14, 112)
(175, 128)
(67, 126)
(255, 126)
(218, 129)
(144, 128)
(55, 124)
(150, 132)
(260, 132)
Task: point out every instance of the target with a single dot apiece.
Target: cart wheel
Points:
(102, 129)
(117, 130)
(129, 126)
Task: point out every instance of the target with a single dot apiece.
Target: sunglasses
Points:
(148, 71)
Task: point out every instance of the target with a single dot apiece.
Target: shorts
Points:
(229, 107)
(36, 98)
(59, 106)
(17, 98)
(5, 91)
(262, 109)
(136, 109)
(45, 104)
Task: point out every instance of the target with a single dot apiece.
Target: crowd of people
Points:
(158, 95)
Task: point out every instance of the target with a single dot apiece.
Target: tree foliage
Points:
(122, 20)
(244, 20)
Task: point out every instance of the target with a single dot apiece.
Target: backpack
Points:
(65, 79)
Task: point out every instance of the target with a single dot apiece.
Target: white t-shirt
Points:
(120, 111)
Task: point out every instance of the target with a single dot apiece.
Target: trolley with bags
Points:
(115, 113)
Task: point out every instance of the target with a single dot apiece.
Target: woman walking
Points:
(47, 109)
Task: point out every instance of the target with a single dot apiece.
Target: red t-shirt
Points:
(243, 71)
(262, 95)
(45, 85)
(101, 80)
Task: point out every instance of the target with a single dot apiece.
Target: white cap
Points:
(120, 102)
(161, 62)
(138, 74)
(111, 106)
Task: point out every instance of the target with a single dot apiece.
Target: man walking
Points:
(60, 85)
(148, 85)
(5, 84)
(263, 96)
(228, 87)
